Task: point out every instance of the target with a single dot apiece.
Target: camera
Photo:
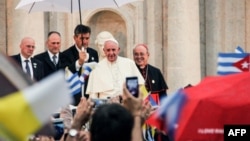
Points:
(98, 102)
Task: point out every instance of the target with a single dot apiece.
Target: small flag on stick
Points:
(74, 81)
(86, 69)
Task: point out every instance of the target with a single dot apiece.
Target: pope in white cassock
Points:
(109, 75)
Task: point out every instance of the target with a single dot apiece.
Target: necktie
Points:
(27, 67)
(54, 59)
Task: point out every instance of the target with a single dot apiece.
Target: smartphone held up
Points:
(132, 85)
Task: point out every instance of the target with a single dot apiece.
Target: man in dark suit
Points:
(31, 66)
(52, 59)
(81, 53)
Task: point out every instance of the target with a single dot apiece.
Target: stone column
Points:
(247, 32)
(154, 30)
(21, 24)
(3, 46)
(225, 29)
(183, 52)
(61, 22)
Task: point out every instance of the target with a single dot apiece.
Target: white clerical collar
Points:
(112, 63)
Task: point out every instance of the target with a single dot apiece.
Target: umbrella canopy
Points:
(69, 5)
(213, 103)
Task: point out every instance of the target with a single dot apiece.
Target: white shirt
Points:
(51, 56)
(107, 79)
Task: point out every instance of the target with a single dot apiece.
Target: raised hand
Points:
(83, 113)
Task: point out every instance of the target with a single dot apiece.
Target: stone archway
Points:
(112, 22)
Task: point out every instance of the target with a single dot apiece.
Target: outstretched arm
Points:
(134, 105)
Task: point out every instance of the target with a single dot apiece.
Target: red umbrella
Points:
(213, 103)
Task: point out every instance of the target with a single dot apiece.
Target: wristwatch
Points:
(73, 132)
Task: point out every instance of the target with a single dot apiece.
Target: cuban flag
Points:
(166, 117)
(86, 69)
(239, 50)
(74, 81)
(171, 109)
(230, 63)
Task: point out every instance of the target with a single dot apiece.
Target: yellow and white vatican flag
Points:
(144, 92)
(24, 112)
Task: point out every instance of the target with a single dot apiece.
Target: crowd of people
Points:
(121, 118)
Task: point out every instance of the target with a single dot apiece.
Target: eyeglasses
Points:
(139, 54)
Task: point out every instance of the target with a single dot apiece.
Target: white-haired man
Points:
(107, 79)
(100, 40)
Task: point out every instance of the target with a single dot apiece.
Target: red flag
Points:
(156, 121)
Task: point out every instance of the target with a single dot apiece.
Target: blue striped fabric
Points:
(74, 82)
(85, 73)
(171, 108)
(86, 69)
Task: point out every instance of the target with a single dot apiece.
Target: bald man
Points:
(154, 80)
(52, 59)
(31, 66)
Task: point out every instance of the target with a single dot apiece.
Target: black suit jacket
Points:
(37, 66)
(49, 66)
(73, 55)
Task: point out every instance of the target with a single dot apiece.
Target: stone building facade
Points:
(184, 36)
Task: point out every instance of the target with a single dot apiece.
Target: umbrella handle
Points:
(80, 13)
